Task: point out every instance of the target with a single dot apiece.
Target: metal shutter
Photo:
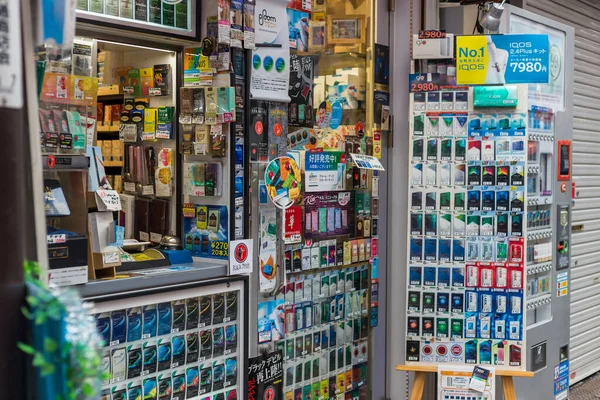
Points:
(584, 17)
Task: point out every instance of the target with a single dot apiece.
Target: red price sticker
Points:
(424, 87)
(423, 83)
(432, 34)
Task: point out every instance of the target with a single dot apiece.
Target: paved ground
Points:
(589, 389)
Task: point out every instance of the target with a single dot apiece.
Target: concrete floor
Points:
(589, 389)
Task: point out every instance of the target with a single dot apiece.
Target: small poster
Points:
(325, 170)
(455, 382)
(270, 321)
(298, 29)
(206, 233)
(265, 376)
(300, 109)
(270, 64)
(283, 179)
(267, 249)
(330, 213)
(292, 225)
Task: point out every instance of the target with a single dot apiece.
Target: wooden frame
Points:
(508, 385)
(349, 21)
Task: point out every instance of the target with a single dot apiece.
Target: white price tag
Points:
(53, 239)
(128, 133)
(108, 200)
(147, 190)
(155, 237)
(185, 119)
(200, 148)
(198, 191)
(154, 91)
(110, 258)
(144, 237)
(129, 187)
(239, 201)
(163, 134)
(128, 89)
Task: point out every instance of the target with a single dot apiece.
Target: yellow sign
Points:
(472, 60)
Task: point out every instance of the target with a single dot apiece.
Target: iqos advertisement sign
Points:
(502, 59)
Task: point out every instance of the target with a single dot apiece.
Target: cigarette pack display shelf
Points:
(178, 306)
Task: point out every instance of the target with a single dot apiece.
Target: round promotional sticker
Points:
(258, 127)
(283, 181)
(323, 115)
(360, 129)
(336, 115)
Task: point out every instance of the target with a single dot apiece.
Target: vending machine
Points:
(549, 201)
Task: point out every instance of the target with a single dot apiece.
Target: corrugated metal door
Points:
(584, 17)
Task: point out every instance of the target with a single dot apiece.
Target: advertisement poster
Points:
(270, 63)
(561, 377)
(292, 225)
(270, 321)
(298, 29)
(328, 214)
(206, 231)
(552, 94)
(502, 59)
(325, 170)
(300, 111)
(270, 74)
(454, 383)
(267, 254)
(283, 180)
(265, 377)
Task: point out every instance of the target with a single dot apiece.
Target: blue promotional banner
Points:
(502, 59)
(561, 377)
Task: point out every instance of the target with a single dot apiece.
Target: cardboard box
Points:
(107, 151)
(107, 115)
(116, 149)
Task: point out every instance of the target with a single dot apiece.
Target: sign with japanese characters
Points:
(240, 259)
(265, 376)
(502, 59)
(324, 170)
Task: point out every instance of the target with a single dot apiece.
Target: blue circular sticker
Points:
(268, 63)
(280, 64)
(256, 61)
(336, 115)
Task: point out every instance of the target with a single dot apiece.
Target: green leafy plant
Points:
(80, 353)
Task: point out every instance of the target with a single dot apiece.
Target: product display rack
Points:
(179, 21)
(130, 317)
(318, 258)
(466, 301)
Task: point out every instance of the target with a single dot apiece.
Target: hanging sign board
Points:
(270, 74)
(502, 59)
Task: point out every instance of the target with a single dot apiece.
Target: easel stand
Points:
(420, 371)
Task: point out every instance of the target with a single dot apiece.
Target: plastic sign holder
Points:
(508, 385)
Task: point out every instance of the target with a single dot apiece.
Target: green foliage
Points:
(82, 360)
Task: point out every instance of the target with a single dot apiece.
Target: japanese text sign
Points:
(501, 59)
